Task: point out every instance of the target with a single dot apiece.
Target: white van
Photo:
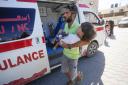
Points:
(25, 53)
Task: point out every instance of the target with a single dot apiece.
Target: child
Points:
(70, 39)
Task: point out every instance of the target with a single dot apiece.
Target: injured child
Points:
(84, 34)
(67, 38)
(70, 39)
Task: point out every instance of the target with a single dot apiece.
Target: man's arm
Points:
(77, 44)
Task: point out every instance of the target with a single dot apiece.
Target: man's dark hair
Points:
(72, 8)
(88, 30)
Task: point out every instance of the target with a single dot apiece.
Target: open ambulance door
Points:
(52, 23)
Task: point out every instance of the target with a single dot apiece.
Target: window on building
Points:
(112, 5)
(116, 5)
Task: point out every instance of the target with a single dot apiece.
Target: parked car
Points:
(123, 22)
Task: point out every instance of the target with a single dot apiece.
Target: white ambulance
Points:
(25, 53)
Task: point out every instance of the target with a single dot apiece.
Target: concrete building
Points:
(114, 13)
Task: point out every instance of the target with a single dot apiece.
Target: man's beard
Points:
(69, 20)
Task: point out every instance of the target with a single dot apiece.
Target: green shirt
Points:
(72, 53)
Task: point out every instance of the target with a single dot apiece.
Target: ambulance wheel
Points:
(92, 49)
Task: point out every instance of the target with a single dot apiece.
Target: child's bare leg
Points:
(70, 81)
(79, 76)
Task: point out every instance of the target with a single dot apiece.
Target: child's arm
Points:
(77, 44)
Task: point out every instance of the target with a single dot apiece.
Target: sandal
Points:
(70, 82)
(79, 80)
(80, 77)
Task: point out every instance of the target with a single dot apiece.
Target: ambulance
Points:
(26, 27)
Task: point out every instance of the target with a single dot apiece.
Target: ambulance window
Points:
(90, 17)
(16, 23)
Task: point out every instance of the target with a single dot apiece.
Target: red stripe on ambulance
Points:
(43, 39)
(27, 0)
(22, 81)
(15, 45)
(83, 6)
(99, 28)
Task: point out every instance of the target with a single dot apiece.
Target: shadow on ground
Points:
(112, 37)
(92, 69)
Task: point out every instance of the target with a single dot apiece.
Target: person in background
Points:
(111, 22)
(107, 32)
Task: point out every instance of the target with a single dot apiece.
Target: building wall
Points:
(115, 14)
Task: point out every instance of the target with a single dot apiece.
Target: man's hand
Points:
(63, 44)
